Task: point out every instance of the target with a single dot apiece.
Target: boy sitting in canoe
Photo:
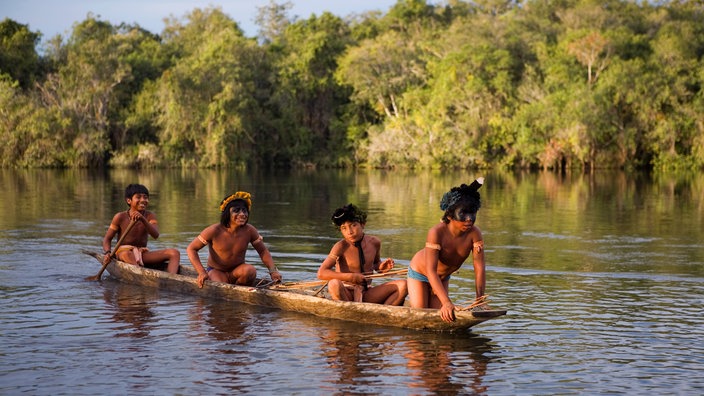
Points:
(355, 256)
(447, 246)
(134, 246)
(227, 244)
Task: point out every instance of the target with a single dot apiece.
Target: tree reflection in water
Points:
(430, 362)
(132, 307)
(451, 364)
(221, 320)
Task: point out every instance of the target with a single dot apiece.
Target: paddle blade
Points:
(112, 253)
(99, 274)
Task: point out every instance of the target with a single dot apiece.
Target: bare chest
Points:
(230, 244)
(350, 261)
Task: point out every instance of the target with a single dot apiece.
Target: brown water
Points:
(602, 275)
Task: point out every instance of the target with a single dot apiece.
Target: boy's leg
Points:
(127, 256)
(157, 257)
(218, 276)
(338, 291)
(244, 275)
(434, 300)
(418, 293)
(389, 293)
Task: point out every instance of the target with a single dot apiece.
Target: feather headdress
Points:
(243, 195)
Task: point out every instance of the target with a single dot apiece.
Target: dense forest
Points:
(484, 84)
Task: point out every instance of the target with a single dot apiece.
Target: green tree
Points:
(308, 98)
(84, 90)
(28, 130)
(273, 20)
(207, 102)
(18, 55)
(677, 55)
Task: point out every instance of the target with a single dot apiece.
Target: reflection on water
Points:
(343, 355)
(226, 331)
(448, 365)
(425, 363)
(220, 320)
(602, 275)
(132, 307)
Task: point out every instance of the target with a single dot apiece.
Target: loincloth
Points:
(136, 251)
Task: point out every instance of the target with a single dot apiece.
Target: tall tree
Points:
(273, 19)
(18, 55)
(307, 94)
(84, 90)
(207, 101)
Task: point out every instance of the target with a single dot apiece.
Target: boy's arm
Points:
(107, 239)
(149, 221)
(479, 264)
(381, 266)
(198, 243)
(110, 233)
(265, 255)
(326, 271)
(432, 256)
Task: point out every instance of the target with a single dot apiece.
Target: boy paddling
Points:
(134, 246)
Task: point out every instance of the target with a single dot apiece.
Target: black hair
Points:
(133, 189)
(225, 215)
(347, 213)
(464, 195)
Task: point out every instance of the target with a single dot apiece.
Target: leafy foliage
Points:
(569, 84)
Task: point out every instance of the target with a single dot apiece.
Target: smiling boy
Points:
(134, 247)
(227, 243)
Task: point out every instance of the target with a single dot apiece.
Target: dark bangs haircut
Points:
(348, 213)
(133, 189)
(225, 215)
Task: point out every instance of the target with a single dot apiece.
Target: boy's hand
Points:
(201, 279)
(276, 276)
(447, 312)
(137, 216)
(386, 265)
(358, 278)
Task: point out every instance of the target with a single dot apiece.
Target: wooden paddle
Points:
(112, 253)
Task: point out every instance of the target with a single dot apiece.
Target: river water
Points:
(602, 276)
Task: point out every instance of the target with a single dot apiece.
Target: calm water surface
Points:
(603, 277)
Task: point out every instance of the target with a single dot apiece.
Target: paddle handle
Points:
(114, 250)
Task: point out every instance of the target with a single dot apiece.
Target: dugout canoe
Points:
(297, 300)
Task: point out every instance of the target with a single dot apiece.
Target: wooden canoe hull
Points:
(299, 301)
